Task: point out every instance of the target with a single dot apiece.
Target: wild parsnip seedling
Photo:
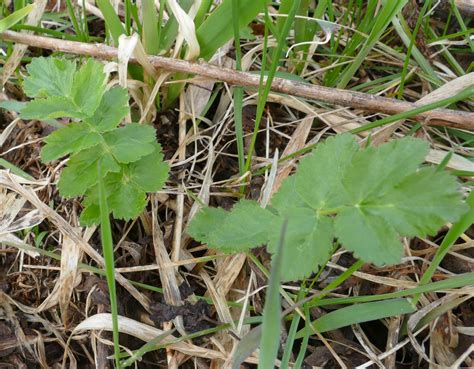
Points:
(130, 158)
(366, 198)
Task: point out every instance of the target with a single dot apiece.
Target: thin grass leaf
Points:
(402, 29)
(410, 47)
(465, 94)
(150, 27)
(263, 93)
(170, 31)
(238, 91)
(246, 346)
(290, 341)
(108, 251)
(447, 284)
(149, 346)
(112, 21)
(15, 170)
(457, 229)
(15, 17)
(271, 327)
(387, 12)
(438, 311)
(214, 32)
(202, 12)
(304, 344)
(304, 29)
(360, 313)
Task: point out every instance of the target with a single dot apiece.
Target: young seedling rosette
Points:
(129, 156)
(365, 198)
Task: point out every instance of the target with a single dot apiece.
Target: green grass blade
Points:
(361, 313)
(246, 346)
(150, 27)
(108, 250)
(215, 31)
(112, 21)
(74, 21)
(15, 170)
(271, 326)
(304, 344)
(202, 12)
(160, 21)
(465, 94)
(388, 11)
(238, 91)
(170, 31)
(290, 341)
(15, 17)
(149, 346)
(462, 24)
(450, 283)
(410, 47)
(303, 27)
(402, 29)
(453, 234)
(263, 94)
(284, 8)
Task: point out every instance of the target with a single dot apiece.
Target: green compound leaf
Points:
(374, 170)
(366, 198)
(130, 159)
(112, 110)
(150, 172)
(130, 143)
(49, 77)
(90, 215)
(86, 91)
(246, 226)
(81, 172)
(61, 91)
(287, 197)
(420, 204)
(72, 138)
(199, 227)
(371, 238)
(318, 181)
(78, 136)
(51, 108)
(308, 242)
(127, 188)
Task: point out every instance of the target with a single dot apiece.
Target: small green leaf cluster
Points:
(366, 198)
(128, 158)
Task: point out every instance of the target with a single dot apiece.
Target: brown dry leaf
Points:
(446, 303)
(11, 206)
(71, 255)
(168, 278)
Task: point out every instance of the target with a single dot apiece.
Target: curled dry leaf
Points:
(186, 29)
(11, 223)
(145, 333)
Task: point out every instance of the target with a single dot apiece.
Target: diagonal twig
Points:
(346, 98)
